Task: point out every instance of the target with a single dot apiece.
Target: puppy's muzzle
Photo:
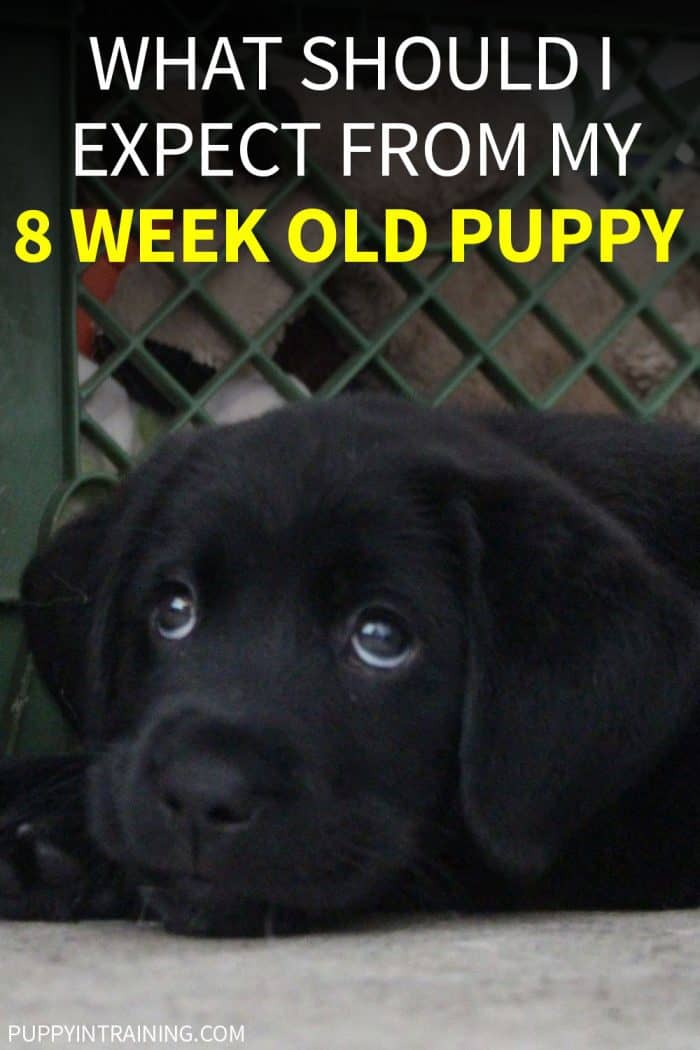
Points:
(210, 779)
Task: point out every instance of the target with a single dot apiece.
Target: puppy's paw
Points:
(49, 867)
(42, 877)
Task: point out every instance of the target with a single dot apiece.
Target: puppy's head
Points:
(297, 642)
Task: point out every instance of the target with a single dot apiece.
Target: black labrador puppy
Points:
(361, 655)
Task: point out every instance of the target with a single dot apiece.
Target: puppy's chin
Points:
(191, 906)
(297, 875)
(195, 908)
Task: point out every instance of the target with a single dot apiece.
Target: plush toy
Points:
(250, 293)
(133, 425)
(100, 279)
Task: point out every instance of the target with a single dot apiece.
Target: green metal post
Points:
(38, 406)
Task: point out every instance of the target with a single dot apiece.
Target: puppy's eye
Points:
(381, 640)
(175, 615)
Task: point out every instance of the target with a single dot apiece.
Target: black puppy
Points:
(360, 655)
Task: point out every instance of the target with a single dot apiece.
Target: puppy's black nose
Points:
(206, 793)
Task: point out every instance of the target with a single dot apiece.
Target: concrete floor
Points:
(533, 983)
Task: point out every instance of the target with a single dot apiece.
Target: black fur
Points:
(539, 747)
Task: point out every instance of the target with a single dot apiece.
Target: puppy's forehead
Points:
(288, 479)
(277, 472)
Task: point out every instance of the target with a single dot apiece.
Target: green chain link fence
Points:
(50, 435)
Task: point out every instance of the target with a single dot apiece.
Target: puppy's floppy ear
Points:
(70, 588)
(586, 662)
(59, 589)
